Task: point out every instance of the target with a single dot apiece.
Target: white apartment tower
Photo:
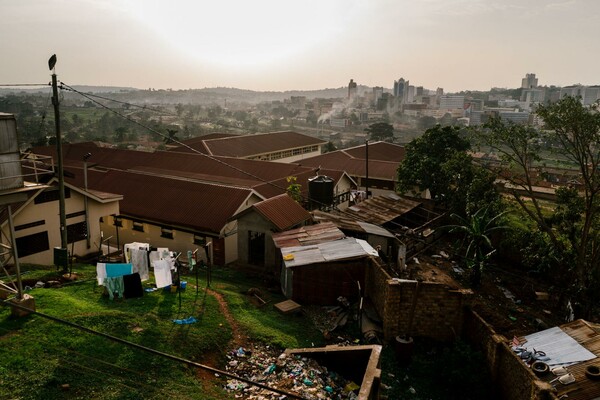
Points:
(529, 82)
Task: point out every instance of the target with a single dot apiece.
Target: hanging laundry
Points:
(162, 273)
(118, 269)
(114, 285)
(133, 286)
(135, 245)
(139, 260)
(191, 260)
(100, 273)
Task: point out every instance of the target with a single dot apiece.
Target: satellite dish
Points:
(52, 62)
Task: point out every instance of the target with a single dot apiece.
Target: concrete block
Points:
(27, 301)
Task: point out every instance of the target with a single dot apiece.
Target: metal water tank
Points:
(11, 176)
(320, 190)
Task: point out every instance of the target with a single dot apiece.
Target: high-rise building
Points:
(448, 102)
(588, 94)
(352, 89)
(529, 82)
(401, 90)
(377, 93)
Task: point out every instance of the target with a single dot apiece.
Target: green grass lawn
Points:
(38, 356)
(43, 359)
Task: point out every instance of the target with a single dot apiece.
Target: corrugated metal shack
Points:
(320, 273)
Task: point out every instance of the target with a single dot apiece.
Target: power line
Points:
(153, 351)
(23, 84)
(184, 144)
(123, 102)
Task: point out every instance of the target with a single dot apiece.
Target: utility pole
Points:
(367, 168)
(61, 175)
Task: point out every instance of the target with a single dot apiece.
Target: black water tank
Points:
(320, 190)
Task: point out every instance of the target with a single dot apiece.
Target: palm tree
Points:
(477, 229)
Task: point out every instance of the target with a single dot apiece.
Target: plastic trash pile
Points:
(291, 373)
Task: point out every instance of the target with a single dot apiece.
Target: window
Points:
(117, 221)
(297, 151)
(166, 233)
(75, 214)
(76, 232)
(30, 225)
(51, 195)
(200, 240)
(138, 226)
(32, 244)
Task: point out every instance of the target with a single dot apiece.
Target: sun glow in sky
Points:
(310, 44)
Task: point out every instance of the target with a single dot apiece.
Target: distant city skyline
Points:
(270, 45)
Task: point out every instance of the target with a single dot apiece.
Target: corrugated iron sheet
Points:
(250, 145)
(583, 388)
(307, 235)
(342, 249)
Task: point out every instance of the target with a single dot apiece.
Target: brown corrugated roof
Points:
(197, 143)
(224, 170)
(308, 235)
(198, 206)
(381, 209)
(282, 211)
(380, 151)
(339, 160)
(251, 145)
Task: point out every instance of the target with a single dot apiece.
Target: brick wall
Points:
(510, 376)
(437, 312)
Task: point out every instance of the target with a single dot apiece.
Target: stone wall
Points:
(510, 376)
(421, 309)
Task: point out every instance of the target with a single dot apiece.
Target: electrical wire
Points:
(125, 103)
(153, 351)
(185, 145)
(271, 183)
(23, 84)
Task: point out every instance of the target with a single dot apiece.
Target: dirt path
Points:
(238, 339)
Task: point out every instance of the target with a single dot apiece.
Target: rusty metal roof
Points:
(308, 235)
(380, 151)
(345, 222)
(381, 209)
(385, 170)
(256, 144)
(201, 167)
(175, 202)
(282, 211)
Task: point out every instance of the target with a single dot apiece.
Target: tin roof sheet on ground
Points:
(342, 249)
(308, 235)
(586, 336)
(559, 346)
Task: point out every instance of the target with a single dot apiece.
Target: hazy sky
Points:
(308, 44)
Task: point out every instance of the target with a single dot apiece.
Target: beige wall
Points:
(181, 242)
(49, 212)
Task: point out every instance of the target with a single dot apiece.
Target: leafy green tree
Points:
(380, 131)
(120, 134)
(477, 243)
(573, 229)
(438, 162)
(294, 189)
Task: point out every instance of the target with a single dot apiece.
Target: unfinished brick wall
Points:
(437, 312)
(510, 376)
